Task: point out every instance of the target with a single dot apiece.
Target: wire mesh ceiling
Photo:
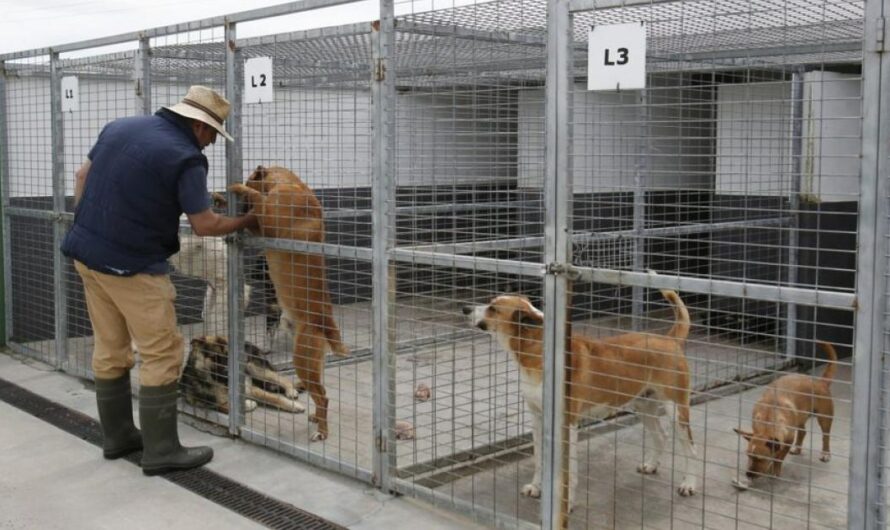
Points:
(506, 39)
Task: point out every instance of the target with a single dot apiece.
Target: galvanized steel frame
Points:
(58, 179)
(557, 254)
(4, 208)
(383, 220)
(234, 276)
(866, 491)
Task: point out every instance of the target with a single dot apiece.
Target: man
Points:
(140, 176)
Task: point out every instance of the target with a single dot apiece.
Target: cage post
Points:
(142, 76)
(4, 209)
(58, 180)
(383, 233)
(866, 496)
(557, 252)
(639, 213)
(233, 242)
(794, 205)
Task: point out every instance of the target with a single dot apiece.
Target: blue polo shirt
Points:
(146, 172)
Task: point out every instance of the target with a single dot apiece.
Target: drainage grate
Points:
(212, 486)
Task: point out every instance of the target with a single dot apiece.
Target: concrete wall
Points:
(615, 136)
(754, 144)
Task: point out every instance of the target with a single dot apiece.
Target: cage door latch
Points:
(379, 70)
(563, 269)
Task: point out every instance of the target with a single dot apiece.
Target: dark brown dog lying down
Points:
(779, 420)
(287, 209)
(205, 379)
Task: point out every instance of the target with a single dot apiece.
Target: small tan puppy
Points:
(634, 370)
(779, 420)
(287, 209)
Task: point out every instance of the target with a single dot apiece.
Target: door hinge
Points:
(379, 70)
(880, 34)
(380, 442)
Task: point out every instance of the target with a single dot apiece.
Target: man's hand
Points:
(80, 180)
(210, 223)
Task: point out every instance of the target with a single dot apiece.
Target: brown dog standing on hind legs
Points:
(779, 420)
(287, 209)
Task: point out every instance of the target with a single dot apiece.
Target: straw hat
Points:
(204, 104)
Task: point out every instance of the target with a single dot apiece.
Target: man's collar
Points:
(180, 122)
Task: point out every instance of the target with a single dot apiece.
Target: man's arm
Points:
(210, 223)
(80, 180)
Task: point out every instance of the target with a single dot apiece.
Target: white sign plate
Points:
(616, 57)
(70, 94)
(258, 80)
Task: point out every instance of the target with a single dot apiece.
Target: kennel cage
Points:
(458, 155)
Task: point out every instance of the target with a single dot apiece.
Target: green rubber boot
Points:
(163, 452)
(115, 403)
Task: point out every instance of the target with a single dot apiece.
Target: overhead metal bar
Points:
(350, 30)
(195, 25)
(477, 35)
(589, 5)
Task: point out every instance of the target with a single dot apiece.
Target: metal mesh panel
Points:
(105, 92)
(317, 127)
(29, 133)
(722, 171)
(469, 205)
(199, 274)
(28, 196)
(734, 175)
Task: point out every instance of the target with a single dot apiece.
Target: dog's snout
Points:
(476, 316)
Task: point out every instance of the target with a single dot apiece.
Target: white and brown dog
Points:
(207, 258)
(779, 420)
(635, 370)
(288, 209)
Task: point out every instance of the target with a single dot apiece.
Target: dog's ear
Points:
(744, 434)
(252, 350)
(774, 445)
(259, 173)
(523, 317)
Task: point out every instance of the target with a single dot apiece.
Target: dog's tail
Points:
(831, 368)
(680, 329)
(682, 323)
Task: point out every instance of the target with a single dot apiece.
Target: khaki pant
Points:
(135, 308)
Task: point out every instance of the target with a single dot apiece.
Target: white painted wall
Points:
(464, 138)
(455, 138)
(322, 135)
(753, 139)
(30, 142)
(754, 143)
(612, 140)
(832, 130)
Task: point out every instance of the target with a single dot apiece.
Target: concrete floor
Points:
(810, 493)
(471, 443)
(51, 479)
